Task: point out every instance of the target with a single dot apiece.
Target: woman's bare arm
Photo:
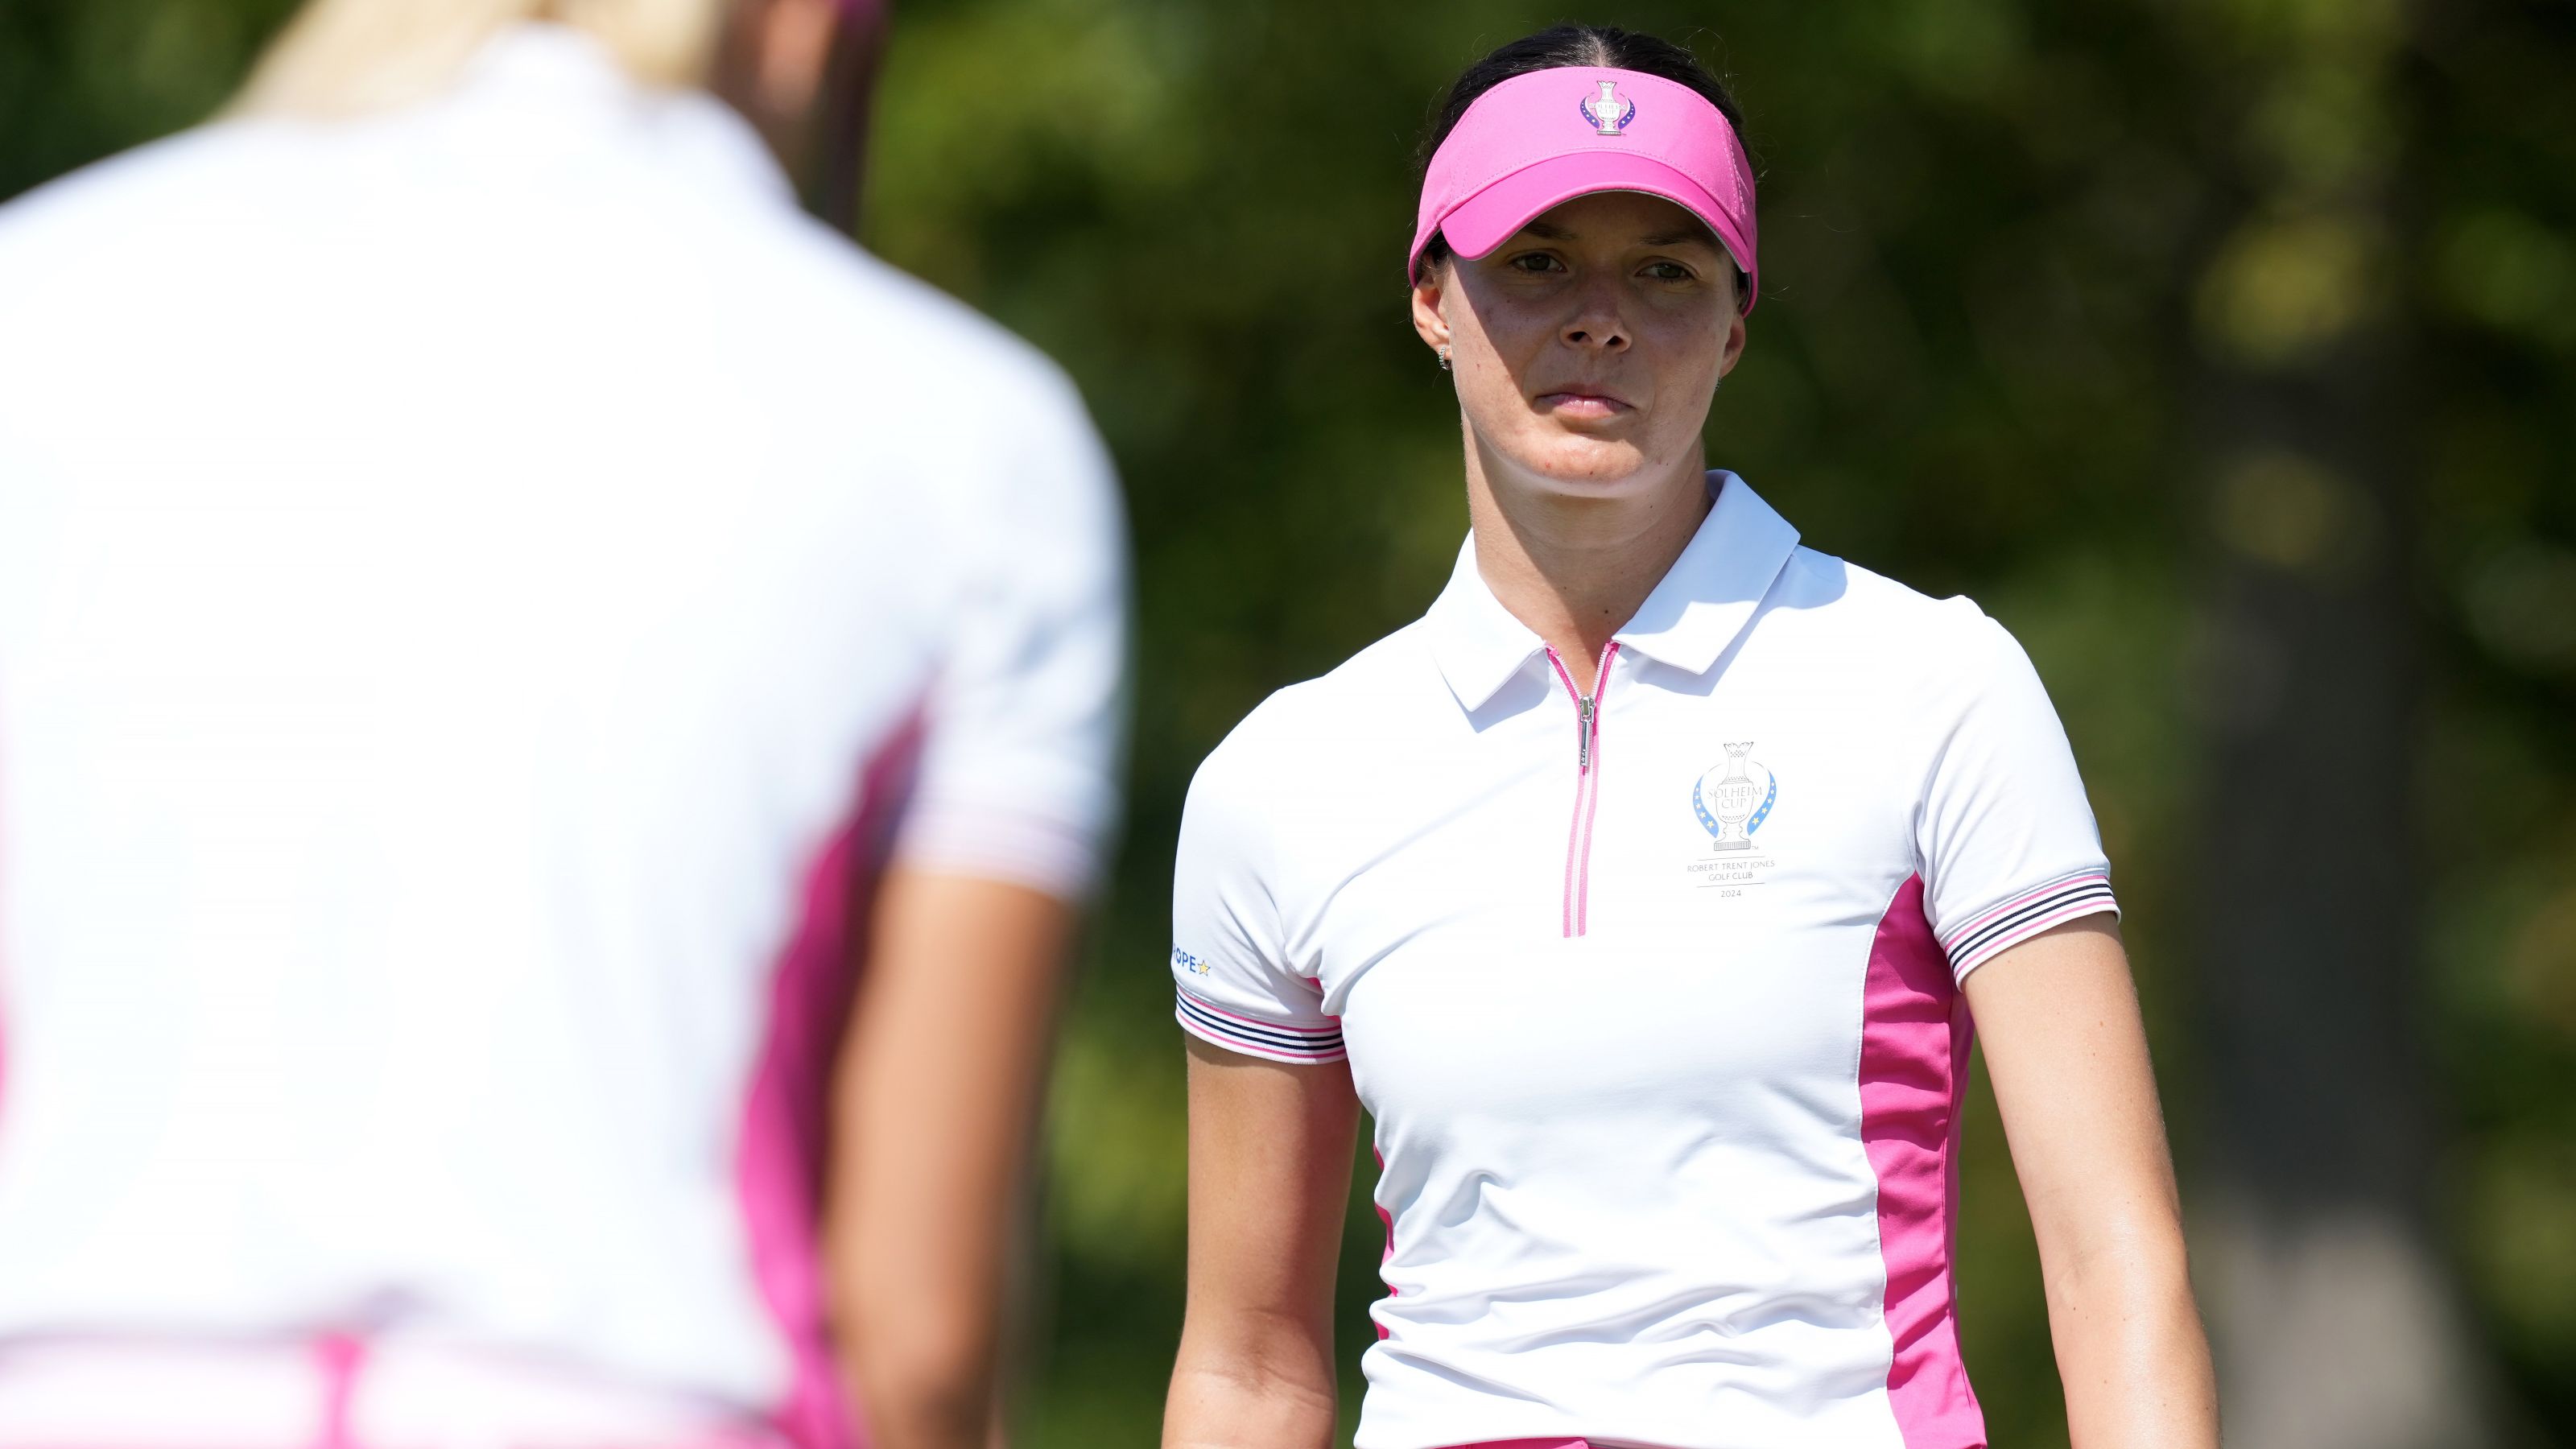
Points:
(1270, 1171)
(934, 1107)
(2067, 1051)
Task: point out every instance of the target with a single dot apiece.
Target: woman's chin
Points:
(1589, 466)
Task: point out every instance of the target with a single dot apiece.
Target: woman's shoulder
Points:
(1895, 628)
(173, 197)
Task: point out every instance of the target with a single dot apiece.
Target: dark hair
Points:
(1564, 45)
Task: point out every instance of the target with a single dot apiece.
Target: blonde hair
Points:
(339, 57)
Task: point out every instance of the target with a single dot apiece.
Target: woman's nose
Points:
(1596, 327)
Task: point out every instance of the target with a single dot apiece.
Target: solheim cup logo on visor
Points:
(1731, 803)
(1609, 112)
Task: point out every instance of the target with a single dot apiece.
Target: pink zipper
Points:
(1587, 787)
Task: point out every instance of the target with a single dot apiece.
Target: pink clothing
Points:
(336, 1391)
(1542, 139)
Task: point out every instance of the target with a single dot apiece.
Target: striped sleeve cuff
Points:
(1982, 936)
(1239, 1033)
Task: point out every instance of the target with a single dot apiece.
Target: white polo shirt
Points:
(481, 588)
(1656, 1008)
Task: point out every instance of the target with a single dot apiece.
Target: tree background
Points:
(2224, 349)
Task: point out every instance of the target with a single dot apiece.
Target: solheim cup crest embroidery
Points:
(1731, 803)
(1609, 112)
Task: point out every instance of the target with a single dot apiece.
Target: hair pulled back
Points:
(341, 57)
(1553, 49)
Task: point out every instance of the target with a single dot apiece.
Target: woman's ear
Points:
(1733, 350)
(1430, 289)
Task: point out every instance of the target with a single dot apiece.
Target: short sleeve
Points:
(2007, 839)
(1235, 984)
(1018, 777)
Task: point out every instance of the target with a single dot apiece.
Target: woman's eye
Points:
(1535, 262)
(1668, 271)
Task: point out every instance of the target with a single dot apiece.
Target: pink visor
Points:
(1542, 139)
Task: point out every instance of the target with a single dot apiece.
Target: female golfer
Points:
(515, 643)
(1644, 892)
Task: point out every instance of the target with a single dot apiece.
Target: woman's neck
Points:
(1575, 570)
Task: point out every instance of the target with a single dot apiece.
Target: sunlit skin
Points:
(934, 1104)
(771, 64)
(1587, 350)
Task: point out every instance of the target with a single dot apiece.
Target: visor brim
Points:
(1494, 215)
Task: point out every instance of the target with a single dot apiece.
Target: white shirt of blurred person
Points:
(512, 637)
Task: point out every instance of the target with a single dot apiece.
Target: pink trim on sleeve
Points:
(1330, 1028)
(1913, 1071)
(1990, 913)
(779, 1169)
(1268, 1048)
(2001, 927)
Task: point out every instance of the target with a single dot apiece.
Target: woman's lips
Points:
(1575, 403)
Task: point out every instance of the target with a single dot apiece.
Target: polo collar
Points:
(1697, 609)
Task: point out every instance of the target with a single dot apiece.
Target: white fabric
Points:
(1617, 1094)
(454, 567)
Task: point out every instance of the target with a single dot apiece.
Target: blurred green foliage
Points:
(2007, 244)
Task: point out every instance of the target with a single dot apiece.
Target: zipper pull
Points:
(1583, 733)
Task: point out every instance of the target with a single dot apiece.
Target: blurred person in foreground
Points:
(554, 718)
(1647, 893)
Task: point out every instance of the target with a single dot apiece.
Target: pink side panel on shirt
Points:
(4, 980)
(779, 1171)
(338, 1357)
(4, 984)
(1913, 1070)
(1387, 1218)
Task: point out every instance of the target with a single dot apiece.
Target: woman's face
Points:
(1587, 347)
